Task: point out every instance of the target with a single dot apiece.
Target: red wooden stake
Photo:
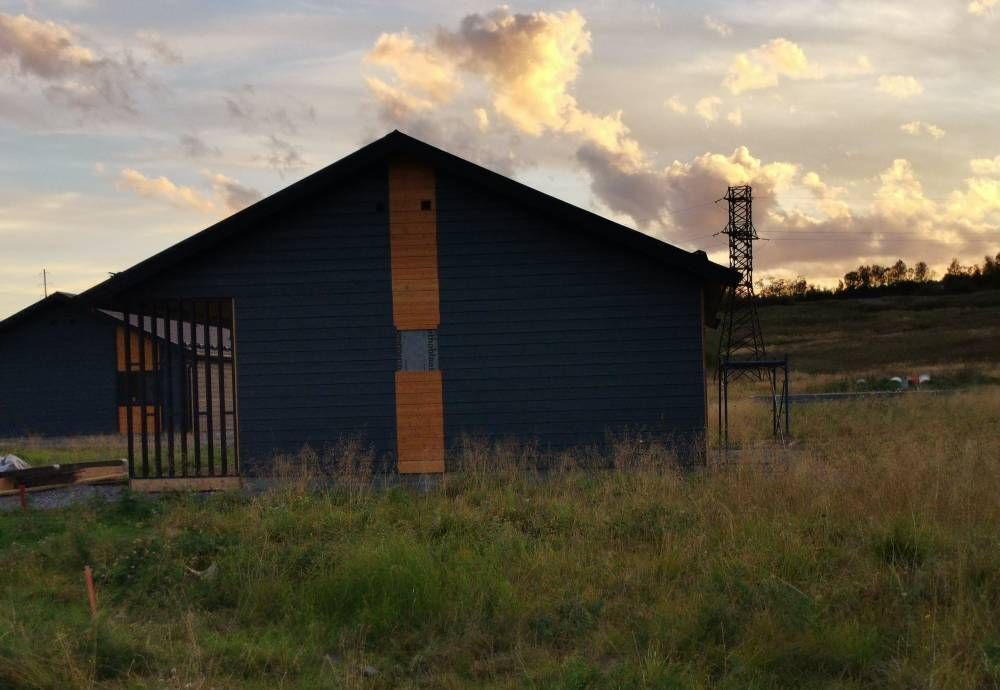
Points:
(24, 496)
(88, 576)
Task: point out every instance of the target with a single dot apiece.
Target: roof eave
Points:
(50, 301)
(394, 144)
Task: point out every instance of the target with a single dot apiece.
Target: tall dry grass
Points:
(866, 555)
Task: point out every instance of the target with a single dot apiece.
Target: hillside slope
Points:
(833, 342)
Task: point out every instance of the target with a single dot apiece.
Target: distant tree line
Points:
(897, 279)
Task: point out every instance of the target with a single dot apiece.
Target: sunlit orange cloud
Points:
(232, 196)
(529, 64)
(528, 61)
(73, 74)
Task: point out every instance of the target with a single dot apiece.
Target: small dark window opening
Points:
(416, 351)
(425, 205)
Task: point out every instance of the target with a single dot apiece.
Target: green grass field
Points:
(888, 335)
(866, 556)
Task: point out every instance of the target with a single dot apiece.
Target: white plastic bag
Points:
(9, 463)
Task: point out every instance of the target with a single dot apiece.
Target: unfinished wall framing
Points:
(184, 377)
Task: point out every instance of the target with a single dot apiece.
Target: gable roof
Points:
(393, 144)
(53, 300)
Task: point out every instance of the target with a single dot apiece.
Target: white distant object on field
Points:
(860, 382)
(924, 378)
(9, 463)
(899, 381)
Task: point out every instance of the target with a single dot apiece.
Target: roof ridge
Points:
(398, 142)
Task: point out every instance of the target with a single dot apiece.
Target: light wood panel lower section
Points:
(419, 422)
(152, 419)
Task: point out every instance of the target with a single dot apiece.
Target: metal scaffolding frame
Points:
(769, 368)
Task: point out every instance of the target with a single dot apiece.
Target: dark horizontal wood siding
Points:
(544, 334)
(57, 375)
(548, 335)
(316, 346)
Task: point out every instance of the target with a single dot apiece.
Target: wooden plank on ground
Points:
(186, 484)
(57, 476)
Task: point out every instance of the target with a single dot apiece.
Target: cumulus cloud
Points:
(162, 189)
(528, 65)
(415, 67)
(765, 66)
(827, 198)
(708, 108)
(482, 119)
(721, 28)
(676, 200)
(762, 67)
(899, 86)
(528, 62)
(980, 200)
(985, 166)
(982, 7)
(229, 194)
(397, 105)
(918, 128)
(73, 74)
(232, 193)
(674, 105)
(159, 47)
(43, 49)
(811, 227)
(900, 220)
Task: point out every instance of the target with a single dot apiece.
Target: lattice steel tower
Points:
(741, 338)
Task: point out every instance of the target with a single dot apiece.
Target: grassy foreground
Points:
(867, 557)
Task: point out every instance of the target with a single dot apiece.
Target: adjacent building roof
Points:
(395, 144)
(53, 300)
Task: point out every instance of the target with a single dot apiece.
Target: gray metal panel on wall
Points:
(550, 335)
(57, 375)
(317, 347)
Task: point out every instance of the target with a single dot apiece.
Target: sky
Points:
(870, 131)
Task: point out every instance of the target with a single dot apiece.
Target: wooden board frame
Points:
(186, 484)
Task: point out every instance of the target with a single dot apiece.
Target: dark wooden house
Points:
(65, 370)
(57, 370)
(409, 297)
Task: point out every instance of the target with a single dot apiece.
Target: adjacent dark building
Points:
(408, 297)
(57, 370)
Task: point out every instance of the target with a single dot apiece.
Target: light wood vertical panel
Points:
(152, 418)
(136, 358)
(416, 306)
(419, 421)
(413, 246)
(152, 414)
